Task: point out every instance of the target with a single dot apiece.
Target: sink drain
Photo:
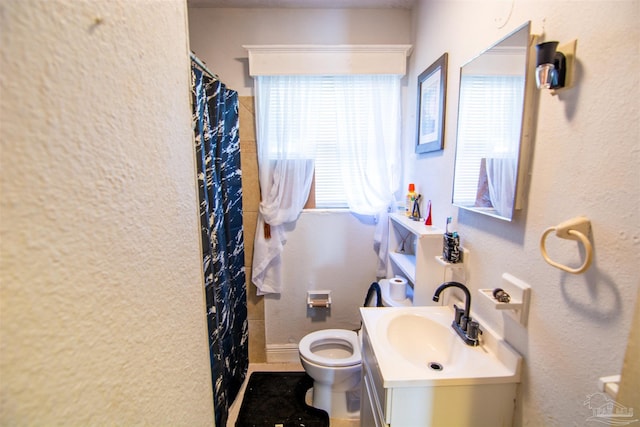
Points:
(436, 366)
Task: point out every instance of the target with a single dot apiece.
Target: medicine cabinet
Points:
(494, 115)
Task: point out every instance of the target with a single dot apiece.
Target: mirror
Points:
(491, 141)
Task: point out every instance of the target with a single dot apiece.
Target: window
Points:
(341, 119)
(291, 117)
(491, 133)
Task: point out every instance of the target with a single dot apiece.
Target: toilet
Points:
(332, 358)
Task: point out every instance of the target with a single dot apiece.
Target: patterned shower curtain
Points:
(220, 194)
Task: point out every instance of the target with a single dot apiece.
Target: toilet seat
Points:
(327, 337)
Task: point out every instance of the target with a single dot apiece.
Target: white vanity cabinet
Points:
(413, 251)
(373, 396)
(457, 404)
(382, 407)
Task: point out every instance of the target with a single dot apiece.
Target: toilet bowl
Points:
(332, 358)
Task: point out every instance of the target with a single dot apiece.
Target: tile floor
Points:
(255, 367)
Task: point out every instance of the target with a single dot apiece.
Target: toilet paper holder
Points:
(320, 299)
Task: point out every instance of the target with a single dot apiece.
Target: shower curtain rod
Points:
(197, 60)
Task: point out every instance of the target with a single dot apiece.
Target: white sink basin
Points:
(422, 340)
(417, 346)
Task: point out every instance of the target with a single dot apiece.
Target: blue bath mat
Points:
(277, 399)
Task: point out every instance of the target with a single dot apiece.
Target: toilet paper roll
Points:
(398, 288)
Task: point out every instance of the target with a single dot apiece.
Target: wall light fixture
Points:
(554, 65)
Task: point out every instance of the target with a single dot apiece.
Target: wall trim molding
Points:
(282, 353)
(274, 60)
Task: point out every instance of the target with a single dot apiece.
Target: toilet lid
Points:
(327, 337)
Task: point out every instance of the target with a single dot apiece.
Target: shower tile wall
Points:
(250, 202)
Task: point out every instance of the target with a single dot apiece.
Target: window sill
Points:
(326, 210)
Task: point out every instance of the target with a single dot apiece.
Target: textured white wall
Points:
(102, 308)
(585, 162)
(324, 250)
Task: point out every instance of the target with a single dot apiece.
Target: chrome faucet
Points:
(466, 328)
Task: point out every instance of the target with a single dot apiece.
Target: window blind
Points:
(489, 131)
(323, 92)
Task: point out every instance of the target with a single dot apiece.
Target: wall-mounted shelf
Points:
(464, 259)
(458, 268)
(520, 293)
(412, 247)
(415, 252)
(511, 305)
(406, 263)
(446, 264)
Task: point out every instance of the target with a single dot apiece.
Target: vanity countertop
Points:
(416, 347)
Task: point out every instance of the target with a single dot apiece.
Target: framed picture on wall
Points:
(432, 88)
